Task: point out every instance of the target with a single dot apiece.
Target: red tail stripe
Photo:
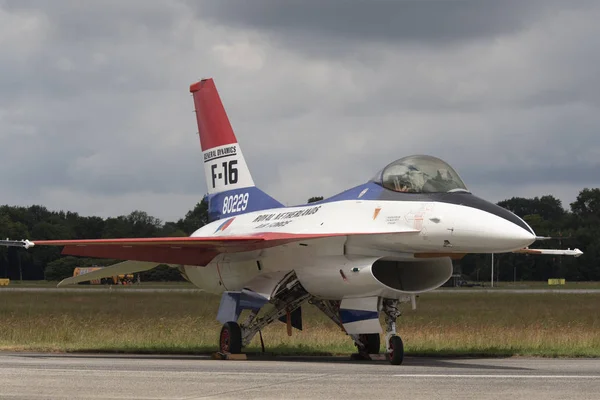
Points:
(213, 124)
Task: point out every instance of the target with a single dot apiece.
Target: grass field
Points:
(444, 324)
(142, 285)
(187, 285)
(541, 285)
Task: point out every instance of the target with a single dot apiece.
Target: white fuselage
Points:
(375, 229)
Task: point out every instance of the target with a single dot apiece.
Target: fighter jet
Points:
(355, 255)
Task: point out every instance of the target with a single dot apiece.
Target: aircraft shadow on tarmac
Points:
(441, 362)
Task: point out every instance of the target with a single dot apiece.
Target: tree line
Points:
(39, 223)
(578, 226)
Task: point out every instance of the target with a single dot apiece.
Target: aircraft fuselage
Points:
(403, 230)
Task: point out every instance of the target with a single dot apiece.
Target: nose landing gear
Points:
(368, 344)
(395, 350)
(394, 345)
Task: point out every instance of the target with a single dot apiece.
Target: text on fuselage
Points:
(287, 215)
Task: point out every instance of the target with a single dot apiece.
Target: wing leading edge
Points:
(165, 250)
(180, 250)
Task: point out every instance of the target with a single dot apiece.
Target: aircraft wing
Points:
(165, 250)
(179, 250)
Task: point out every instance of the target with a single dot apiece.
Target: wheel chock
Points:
(228, 356)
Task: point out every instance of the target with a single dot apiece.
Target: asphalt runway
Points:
(179, 290)
(47, 376)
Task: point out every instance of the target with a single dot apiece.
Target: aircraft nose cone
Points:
(516, 237)
(502, 235)
(489, 233)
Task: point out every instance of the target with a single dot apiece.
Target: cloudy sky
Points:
(96, 117)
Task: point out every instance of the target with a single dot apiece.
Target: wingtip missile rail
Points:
(25, 244)
(568, 252)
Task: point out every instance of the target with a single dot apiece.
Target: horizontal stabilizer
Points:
(554, 252)
(122, 268)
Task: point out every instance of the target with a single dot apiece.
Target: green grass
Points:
(544, 285)
(142, 285)
(490, 324)
(530, 285)
(187, 285)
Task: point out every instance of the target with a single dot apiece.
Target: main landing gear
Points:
(230, 339)
(353, 316)
(286, 304)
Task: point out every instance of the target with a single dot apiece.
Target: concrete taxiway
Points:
(48, 376)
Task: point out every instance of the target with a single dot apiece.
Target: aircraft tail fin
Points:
(231, 189)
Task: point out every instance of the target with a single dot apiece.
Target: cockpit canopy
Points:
(420, 174)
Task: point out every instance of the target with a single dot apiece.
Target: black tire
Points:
(396, 356)
(230, 339)
(372, 342)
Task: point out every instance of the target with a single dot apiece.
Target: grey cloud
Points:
(87, 44)
(438, 22)
(57, 117)
(92, 21)
(571, 174)
(95, 113)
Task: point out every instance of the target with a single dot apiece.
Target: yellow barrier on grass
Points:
(4, 282)
(556, 281)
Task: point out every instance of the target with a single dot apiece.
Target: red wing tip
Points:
(194, 87)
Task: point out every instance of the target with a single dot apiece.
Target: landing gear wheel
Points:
(396, 354)
(230, 339)
(372, 342)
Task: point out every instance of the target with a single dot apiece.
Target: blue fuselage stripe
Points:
(348, 316)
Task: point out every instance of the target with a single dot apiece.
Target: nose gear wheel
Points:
(396, 352)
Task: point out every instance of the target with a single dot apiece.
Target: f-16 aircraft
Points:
(355, 255)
